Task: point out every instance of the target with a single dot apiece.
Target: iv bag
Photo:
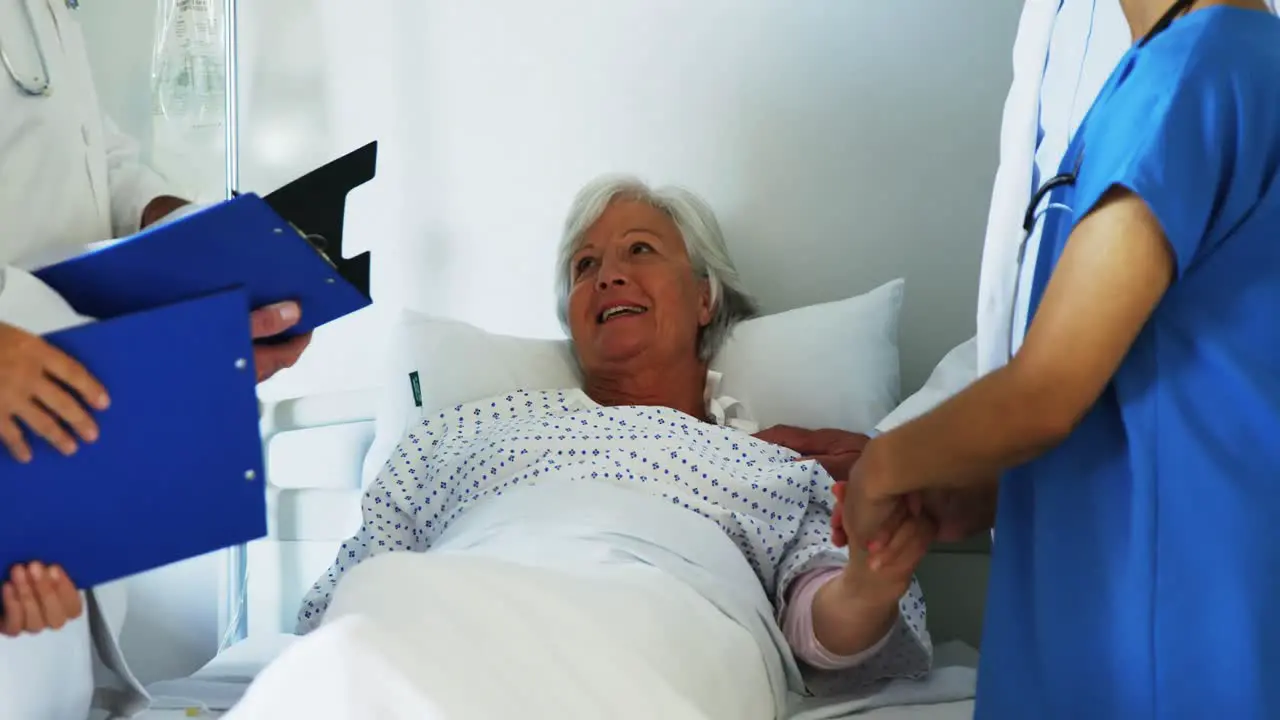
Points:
(188, 96)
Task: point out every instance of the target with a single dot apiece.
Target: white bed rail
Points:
(297, 512)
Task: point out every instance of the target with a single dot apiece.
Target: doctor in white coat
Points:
(1064, 51)
(68, 178)
(961, 515)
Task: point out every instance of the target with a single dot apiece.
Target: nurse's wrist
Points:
(879, 472)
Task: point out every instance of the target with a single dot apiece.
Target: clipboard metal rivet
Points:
(241, 363)
(330, 281)
(278, 231)
(250, 475)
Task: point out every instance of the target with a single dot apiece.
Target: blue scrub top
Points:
(1136, 565)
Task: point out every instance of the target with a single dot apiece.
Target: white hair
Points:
(703, 241)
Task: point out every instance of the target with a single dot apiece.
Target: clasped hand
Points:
(878, 574)
(870, 520)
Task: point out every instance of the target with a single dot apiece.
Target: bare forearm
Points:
(979, 506)
(846, 622)
(965, 512)
(995, 424)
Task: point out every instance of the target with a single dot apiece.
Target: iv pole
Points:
(234, 617)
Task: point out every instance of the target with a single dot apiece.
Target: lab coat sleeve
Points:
(131, 183)
(958, 369)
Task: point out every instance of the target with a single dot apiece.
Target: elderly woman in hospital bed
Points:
(622, 549)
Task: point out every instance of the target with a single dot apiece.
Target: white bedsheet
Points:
(533, 606)
(224, 680)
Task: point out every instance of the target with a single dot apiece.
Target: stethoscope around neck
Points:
(29, 83)
(1068, 179)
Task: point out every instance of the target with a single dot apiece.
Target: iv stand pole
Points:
(234, 615)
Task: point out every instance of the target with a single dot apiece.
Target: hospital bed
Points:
(306, 524)
(1064, 52)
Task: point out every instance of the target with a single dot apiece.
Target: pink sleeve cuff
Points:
(797, 625)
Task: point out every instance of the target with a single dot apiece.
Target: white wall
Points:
(842, 143)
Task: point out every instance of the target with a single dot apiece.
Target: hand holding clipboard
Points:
(179, 459)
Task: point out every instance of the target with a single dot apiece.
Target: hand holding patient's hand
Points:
(38, 597)
(46, 391)
(268, 322)
(859, 606)
(885, 569)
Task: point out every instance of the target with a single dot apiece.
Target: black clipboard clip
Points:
(315, 204)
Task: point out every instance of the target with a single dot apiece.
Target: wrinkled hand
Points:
(268, 322)
(836, 450)
(44, 389)
(36, 598)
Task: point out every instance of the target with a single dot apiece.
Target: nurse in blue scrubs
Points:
(1136, 431)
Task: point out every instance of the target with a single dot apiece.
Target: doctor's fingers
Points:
(908, 545)
(59, 602)
(274, 319)
(61, 367)
(839, 537)
(271, 359)
(32, 616)
(12, 622)
(41, 422)
(62, 405)
(14, 442)
(875, 523)
(72, 603)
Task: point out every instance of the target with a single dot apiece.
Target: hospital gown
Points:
(775, 510)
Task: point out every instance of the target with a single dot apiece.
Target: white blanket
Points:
(523, 611)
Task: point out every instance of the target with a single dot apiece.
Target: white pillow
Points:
(833, 365)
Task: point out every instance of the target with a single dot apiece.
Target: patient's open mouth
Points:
(619, 311)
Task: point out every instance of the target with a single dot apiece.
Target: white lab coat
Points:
(989, 349)
(55, 674)
(68, 178)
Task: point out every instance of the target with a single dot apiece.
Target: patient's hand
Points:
(860, 606)
(885, 571)
(38, 597)
(835, 450)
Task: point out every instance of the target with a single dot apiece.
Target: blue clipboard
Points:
(238, 243)
(178, 471)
